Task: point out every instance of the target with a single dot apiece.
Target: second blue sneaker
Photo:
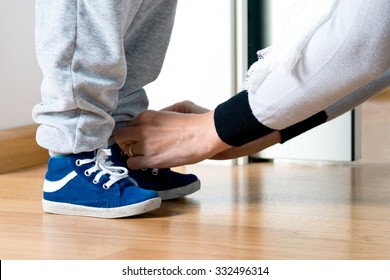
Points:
(87, 184)
(169, 184)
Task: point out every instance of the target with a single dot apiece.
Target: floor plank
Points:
(260, 211)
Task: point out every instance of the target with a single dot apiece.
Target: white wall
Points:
(200, 62)
(20, 76)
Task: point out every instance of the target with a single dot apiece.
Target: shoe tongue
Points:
(117, 156)
(86, 155)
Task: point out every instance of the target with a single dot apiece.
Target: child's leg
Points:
(80, 50)
(145, 45)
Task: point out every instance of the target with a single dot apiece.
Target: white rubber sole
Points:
(116, 212)
(180, 192)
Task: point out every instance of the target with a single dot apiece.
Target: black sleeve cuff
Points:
(235, 123)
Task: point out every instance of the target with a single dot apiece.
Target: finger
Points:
(180, 107)
(170, 108)
(144, 162)
(136, 163)
(144, 117)
(186, 107)
(135, 150)
(126, 136)
(137, 120)
(129, 150)
(143, 159)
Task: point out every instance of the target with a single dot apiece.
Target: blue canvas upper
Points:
(91, 189)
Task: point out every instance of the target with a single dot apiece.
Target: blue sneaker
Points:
(87, 185)
(168, 184)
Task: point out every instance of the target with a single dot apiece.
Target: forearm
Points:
(250, 148)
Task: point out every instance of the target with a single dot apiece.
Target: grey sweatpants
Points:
(96, 56)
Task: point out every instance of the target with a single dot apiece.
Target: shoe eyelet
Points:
(78, 162)
(144, 169)
(86, 173)
(95, 181)
(155, 172)
(106, 187)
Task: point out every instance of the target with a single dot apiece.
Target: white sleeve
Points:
(349, 50)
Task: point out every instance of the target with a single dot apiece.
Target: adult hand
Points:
(180, 134)
(186, 107)
(159, 139)
(233, 152)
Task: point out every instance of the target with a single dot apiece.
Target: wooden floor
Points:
(261, 211)
(281, 210)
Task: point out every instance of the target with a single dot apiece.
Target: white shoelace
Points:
(103, 167)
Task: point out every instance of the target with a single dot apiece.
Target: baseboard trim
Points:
(19, 149)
